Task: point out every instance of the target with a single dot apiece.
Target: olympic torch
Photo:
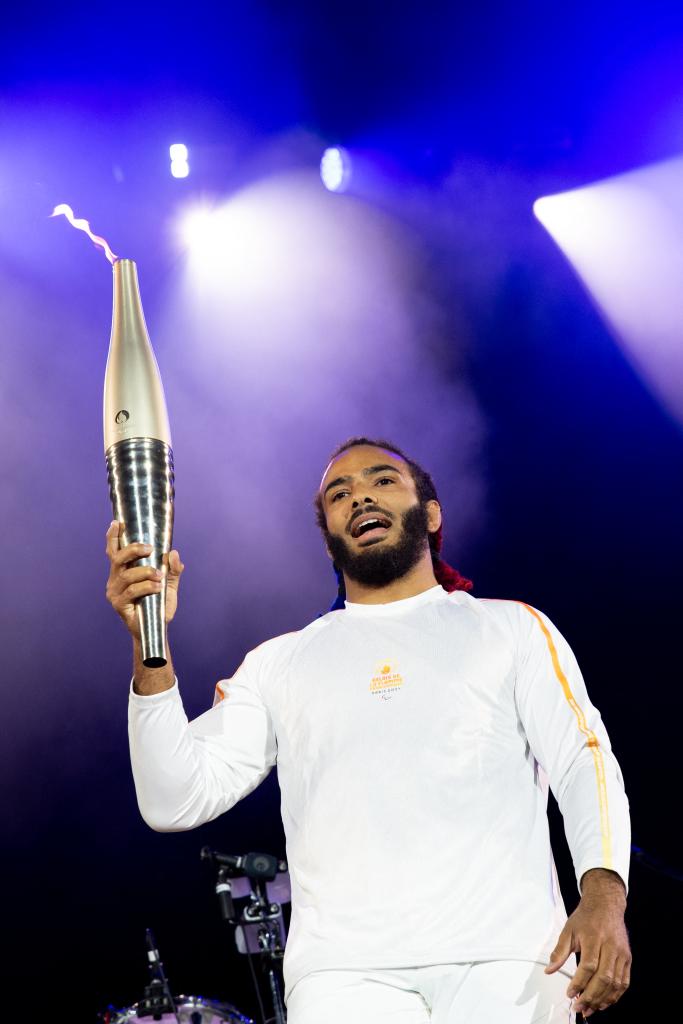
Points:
(137, 447)
(137, 440)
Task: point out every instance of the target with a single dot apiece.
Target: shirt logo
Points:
(386, 680)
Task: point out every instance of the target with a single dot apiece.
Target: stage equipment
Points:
(159, 1005)
(259, 924)
(137, 447)
(335, 169)
(190, 1010)
(178, 153)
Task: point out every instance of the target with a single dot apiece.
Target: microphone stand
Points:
(266, 915)
(259, 868)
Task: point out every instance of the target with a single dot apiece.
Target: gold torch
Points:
(137, 441)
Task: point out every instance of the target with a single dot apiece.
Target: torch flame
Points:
(83, 225)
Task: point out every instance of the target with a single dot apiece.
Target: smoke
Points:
(328, 324)
(306, 319)
(53, 506)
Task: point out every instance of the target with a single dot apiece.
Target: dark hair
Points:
(449, 578)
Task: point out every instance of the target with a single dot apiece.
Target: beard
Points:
(381, 564)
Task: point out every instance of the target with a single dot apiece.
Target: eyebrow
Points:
(366, 472)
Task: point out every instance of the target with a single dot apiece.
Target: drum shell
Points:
(191, 1010)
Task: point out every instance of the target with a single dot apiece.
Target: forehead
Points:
(361, 457)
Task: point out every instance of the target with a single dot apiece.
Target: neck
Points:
(420, 578)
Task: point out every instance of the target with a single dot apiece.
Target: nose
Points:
(356, 502)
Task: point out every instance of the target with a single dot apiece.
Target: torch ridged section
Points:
(141, 485)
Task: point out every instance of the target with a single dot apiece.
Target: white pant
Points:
(491, 992)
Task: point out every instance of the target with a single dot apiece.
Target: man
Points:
(415, 732)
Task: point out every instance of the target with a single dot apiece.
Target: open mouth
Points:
(370, 526)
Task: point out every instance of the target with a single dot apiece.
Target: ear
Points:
(433, 516)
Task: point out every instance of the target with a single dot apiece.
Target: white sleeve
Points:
(187, 773)
(569, 741)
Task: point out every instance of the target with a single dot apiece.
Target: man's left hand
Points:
(596, 931)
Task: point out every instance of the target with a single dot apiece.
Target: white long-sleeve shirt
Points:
(413, 742)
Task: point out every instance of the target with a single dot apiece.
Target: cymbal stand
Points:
(157, 999)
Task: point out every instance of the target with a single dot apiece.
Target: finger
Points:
(602, 987)
(584, 973)
(137, 590)
(626, 975)
(175, 566)
(120, 579)
(131, 553)
(112, 538)
(622, 978)
(137, 574)
(564, 947)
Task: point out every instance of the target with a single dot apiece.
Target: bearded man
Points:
(415, 730)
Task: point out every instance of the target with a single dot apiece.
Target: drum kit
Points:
(251, 890)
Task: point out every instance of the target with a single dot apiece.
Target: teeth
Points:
(365, 524)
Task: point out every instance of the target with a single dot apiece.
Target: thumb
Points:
(175, 568)
(562, 950)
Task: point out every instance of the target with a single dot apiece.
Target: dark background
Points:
(560, 471)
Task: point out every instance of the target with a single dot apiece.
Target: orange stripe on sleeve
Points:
(591, 739)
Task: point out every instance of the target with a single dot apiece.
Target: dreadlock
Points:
(448, 577)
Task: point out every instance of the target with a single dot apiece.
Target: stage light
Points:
(178, 153)
(335, 169)
(624, 238)
(541, 208)
(201, 231)
(236, 244)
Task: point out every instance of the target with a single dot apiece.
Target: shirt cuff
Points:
(616, 869)
(172, 693)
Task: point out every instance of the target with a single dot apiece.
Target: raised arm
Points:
(188, 773)
(185, 773)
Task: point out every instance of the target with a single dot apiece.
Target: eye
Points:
(386, 480)
(337, 494)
